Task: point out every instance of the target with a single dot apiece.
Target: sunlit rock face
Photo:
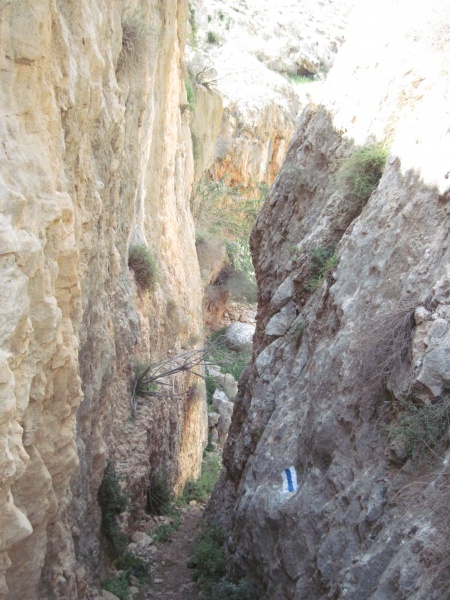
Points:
(247, 51)
(330, 387)
(96, 155)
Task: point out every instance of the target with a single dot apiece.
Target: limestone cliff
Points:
(350, 368)
(247, 50)
(96, 156)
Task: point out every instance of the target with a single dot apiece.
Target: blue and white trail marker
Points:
(289, 476)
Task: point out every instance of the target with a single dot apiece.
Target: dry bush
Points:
(137, 37)
(385, 344)
(428, 498)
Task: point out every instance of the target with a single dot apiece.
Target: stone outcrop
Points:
(96, 156)
(339, 366)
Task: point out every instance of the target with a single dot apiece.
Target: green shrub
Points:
(119, 586)
(190, 94)
(209, 557)
(212, 37)
(360, 173)
(159, 496)
(133, 565)
(209, 569)
(420, 425)
(201, 489)
(141, 260)
(321, 262)
(112, 501)
(162, 533)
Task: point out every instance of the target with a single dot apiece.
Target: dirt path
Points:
(172, 579)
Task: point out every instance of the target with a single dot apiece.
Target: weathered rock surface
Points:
(96, 155)
(366, 521)
(239, 337)
(242, 49)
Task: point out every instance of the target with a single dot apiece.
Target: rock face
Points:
(245, 50)
(96, 156)
(340, 366)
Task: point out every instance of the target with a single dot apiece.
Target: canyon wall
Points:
(96, 156)
(251, 52)
(350, 368)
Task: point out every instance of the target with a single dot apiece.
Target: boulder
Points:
(239, 337)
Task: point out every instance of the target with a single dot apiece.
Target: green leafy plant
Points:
(209, 557)
(360, 173)
(163, 533)
(321, 262)
(119, 586)
(141, 260)
(112, 501)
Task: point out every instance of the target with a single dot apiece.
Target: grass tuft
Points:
(360, 173)
(141, 260)
(321, 262)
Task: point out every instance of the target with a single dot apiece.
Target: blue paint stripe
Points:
(289, 480)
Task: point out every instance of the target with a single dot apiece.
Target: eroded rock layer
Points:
(341, 361)
(96, 156)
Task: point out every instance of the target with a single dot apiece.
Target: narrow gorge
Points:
(141, 141)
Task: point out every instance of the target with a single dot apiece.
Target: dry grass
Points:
(385, 344)
(137, 37)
